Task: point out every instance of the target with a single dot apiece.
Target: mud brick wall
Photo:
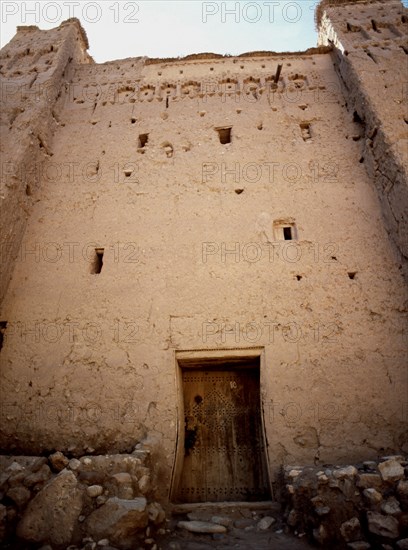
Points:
(213, 204)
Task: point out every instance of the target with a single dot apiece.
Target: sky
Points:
(172, 28)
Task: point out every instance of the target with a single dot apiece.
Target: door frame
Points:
(194, 359)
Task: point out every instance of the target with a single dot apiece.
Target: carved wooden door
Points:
(224, 456)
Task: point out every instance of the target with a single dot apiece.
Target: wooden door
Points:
(224, 454)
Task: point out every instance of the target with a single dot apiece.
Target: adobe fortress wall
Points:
(127, 160)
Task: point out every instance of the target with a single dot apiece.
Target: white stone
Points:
(391, 470)
(391, 507)
(94, 490)
(347, 472)
(265, 523)
(201, 527)
(384, 526)
(74, 464)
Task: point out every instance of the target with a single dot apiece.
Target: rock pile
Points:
(93, 502)
(357, 507)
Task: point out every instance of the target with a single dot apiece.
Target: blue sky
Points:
(157, 28)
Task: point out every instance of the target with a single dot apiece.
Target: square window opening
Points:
(225, 135)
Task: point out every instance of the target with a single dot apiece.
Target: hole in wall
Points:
(287, 233)
(357, 118)
(133, 120)
(305, 130)
(371, 56)
(374, 25)
(224, 135)
(352, 275)
(98, 261)
(28, 190)
(3, 326)
(260, 126)
(168, 149)
(143, 140)
(299, 277)
(239, 191)
(285, 230)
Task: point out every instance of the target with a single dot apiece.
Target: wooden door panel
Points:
(224, 452)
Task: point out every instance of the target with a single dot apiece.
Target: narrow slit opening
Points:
(98, 261)
(287, 233)
(3, 326)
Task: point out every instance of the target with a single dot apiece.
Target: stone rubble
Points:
(87, 503)
(365, 505)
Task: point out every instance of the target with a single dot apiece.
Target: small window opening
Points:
(287, 233)
(285, 230)
(133, 119)
(352, 275)
(305, 128)
(98, 261)
(143, 139)
(299, 277)
(3, 326)
(225, 135)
